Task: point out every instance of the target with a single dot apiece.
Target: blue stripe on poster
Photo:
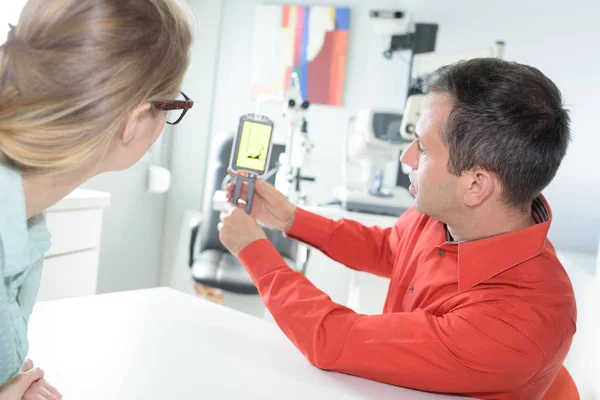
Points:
(304, 55)
(342, 19)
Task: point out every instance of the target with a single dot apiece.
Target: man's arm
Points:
(348, 242)
(369, 249)
(467, 351)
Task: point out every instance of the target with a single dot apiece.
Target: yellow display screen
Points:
(255, 140)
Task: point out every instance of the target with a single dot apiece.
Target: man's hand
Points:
(238, 229)
(269, 205)
(16, 388)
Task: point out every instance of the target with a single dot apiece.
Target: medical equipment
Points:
(390, 22)
(297, 141)
(412, 113)
(250, 154)
(405, 33)
(423, 65)
(372, 141)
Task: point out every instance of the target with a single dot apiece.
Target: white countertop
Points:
(337, 212)
(583, 360)
(82, 199)
(162, 344)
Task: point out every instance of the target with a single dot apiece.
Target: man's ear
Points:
(481, 185)
(131, 126)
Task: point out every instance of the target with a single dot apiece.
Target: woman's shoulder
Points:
(22, 241)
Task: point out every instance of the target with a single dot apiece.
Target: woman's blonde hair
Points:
(74, 70)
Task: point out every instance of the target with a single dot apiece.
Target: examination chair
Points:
(211, 263)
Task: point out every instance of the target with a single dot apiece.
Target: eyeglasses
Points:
(176, 108)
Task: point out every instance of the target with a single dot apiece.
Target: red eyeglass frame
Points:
(171, 105)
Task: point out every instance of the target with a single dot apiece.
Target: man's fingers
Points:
(263, 189)
(243, 192)
(227, 210)
(229, 197)
(267, 192)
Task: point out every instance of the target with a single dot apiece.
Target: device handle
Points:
(250, 199)
(237, 191)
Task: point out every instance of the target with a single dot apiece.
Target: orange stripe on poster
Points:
(286, 17)
(338, 67)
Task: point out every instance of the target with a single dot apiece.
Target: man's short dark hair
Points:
(507, 118)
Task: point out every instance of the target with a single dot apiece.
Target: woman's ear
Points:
(132, 126)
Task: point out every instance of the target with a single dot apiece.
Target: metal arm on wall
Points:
(297, 142)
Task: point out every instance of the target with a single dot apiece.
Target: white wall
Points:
(554, 36)
(132, 228)
(9, 13)
(190, 139)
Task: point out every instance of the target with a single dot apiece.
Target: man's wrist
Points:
(248, 245)
(290, 222)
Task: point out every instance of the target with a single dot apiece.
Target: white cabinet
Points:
(71, 264)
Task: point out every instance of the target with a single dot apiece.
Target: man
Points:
(478, 303)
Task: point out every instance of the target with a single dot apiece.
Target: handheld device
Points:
(250, 154)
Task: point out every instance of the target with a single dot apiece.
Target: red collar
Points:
(480, 260)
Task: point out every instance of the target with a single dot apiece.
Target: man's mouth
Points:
(412, 188)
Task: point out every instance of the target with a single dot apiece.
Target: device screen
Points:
(255, 140)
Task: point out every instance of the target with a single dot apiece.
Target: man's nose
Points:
(410, 156)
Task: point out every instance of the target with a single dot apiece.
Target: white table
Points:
(162, 344)
(583, 360)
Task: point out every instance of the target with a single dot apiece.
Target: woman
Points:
(86, 87)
